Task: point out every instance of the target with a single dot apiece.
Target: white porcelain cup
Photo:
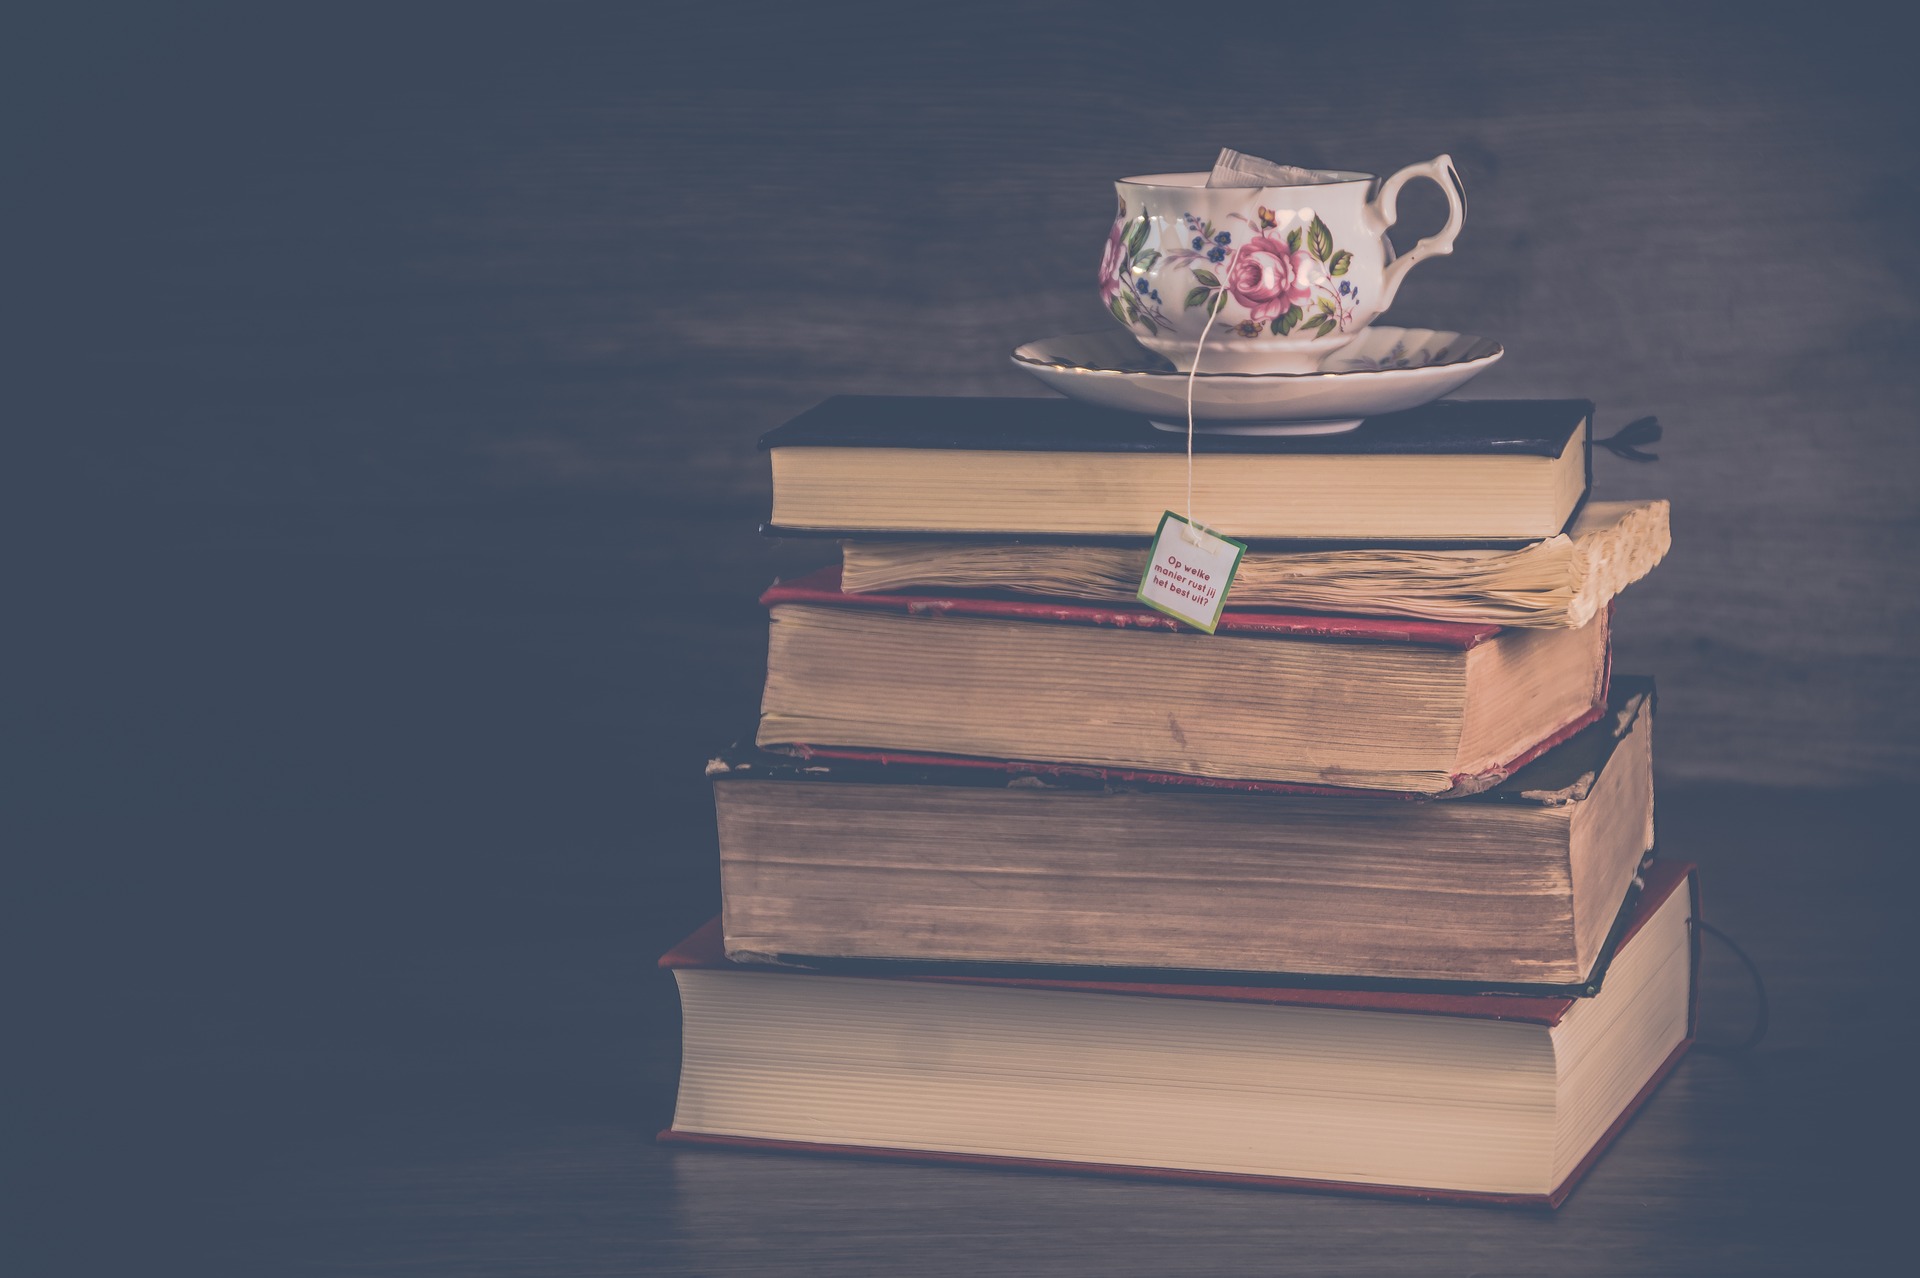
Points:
(1293, 272)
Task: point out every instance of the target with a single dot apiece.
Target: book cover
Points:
(1516, 427)
(1560, 774)
(706, 948)
(703, 949)
(1445, 428)
(823, 587)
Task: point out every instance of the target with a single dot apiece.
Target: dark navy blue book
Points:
(1469, 472)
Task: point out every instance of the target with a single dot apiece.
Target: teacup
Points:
(1289, 274)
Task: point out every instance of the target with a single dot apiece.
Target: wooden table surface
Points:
(394, 574)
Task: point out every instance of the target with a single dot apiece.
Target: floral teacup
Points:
(1289, 274)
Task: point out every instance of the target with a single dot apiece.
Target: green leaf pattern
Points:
(1319, 239)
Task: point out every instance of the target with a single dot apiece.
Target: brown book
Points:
(1423, 707)
(824, 859)
(1496, 1098)
(1455, 471)
(1564, 580)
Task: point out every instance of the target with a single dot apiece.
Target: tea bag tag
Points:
(1189, 571)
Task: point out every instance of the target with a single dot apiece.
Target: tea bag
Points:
(1235, 169)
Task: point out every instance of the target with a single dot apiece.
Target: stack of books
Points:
(1355, 893)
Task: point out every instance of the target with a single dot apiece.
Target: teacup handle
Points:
(1440, 243)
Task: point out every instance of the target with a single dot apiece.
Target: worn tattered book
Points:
(1367, 703)
(1564, 580)
(1455, 471)
(836, 863)
(1493, 1098)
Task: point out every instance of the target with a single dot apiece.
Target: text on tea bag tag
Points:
(1188, 572)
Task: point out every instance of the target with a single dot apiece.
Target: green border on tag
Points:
(1140, 592)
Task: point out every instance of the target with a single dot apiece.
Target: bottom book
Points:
(1496, 1098)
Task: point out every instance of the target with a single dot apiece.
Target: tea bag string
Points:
(1214, 306)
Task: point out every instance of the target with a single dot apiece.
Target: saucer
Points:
(1383, 370)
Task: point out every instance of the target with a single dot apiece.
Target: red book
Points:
(1493, 1098)
(1281, 701)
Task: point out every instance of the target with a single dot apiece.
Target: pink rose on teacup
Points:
(1113, 262)
(1267, 277)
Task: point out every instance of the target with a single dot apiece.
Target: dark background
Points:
(386, 387)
